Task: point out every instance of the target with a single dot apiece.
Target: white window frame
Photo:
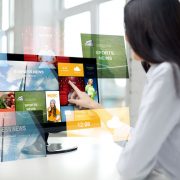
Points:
(8, 31)
(91, 6)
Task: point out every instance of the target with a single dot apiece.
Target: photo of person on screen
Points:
(90, 90)
(7, 101)
(53, 112)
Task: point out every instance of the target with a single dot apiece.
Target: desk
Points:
(92, 161)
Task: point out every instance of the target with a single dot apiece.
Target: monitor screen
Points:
(37, 84)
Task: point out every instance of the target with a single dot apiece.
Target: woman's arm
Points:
(109, 118)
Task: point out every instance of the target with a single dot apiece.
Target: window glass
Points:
(74, 26)
(5, 14)
(111, 21)
(111, 17)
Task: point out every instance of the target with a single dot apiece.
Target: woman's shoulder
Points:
(163, 70)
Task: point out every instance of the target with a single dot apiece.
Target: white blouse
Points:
(155, 142)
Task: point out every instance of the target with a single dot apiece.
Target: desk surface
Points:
(92, 161)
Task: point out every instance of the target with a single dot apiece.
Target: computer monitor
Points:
(40, 82)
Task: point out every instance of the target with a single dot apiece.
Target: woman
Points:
(153, 32)
(53, 112)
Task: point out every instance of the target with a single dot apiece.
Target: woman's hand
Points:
(81, 99)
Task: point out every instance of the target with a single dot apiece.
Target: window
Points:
(5, 15)
(97, 17)
(72, 3)
(59, 25)
(74, 26)
(111, 21)
(111, 17)
(88, 16)
(7, 26)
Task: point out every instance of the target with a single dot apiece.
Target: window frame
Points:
(11, 29)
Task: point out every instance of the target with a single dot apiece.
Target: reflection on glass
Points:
(74, 26)
(72, 3)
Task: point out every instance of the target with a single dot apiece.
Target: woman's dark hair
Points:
(153, 29)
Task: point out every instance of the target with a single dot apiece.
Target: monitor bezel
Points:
(61, 126)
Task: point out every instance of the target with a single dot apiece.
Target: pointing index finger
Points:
(76, 89)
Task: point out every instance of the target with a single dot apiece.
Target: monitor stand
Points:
(55, 148)
(38, 147)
